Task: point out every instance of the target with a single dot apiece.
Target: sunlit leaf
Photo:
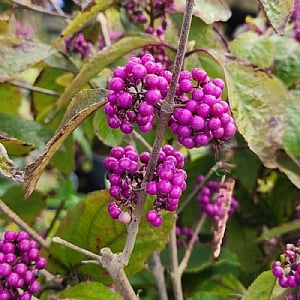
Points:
(8, 168)
(212, 11)
(88, 291)
(88, 13)
(17, 54)
(278, 13)
(14, 146)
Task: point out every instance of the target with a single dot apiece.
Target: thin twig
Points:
(188, 252)
(175, 275)
(60, 11)
(166, 110)
(34, 88)
(65, 243)
(39, 9)
(54, 219)
(157, 271)
(16, 219)
(103, 23)
(140, 138)
(213, 169)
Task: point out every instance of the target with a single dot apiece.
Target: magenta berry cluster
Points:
(126, 174)
(211, 202)
(184, 235)
(167, 184)
(135, 91)
(20, 261)
(287, 270)
(79, 44)
(202, 115)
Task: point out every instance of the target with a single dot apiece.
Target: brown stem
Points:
(157, 271)
(166, 110)
(175, 275)
(16, 219)
(189, 248)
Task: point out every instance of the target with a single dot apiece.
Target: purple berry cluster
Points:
(79, 44)
(19, 262)
(211, 202)
(287, 270)
(202, 115)
(135, 92)
(183, 235)
(295, 18)
(126, 174)
(168, 182)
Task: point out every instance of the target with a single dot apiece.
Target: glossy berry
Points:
(20, 261)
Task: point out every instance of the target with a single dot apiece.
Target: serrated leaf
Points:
(88, 13)
(8, 167)
(257, 102)
(287, 60)
(82, 105)
(262, 287)
(28, 209)
(17, 54)
(278, 13)
(88, 291)
(98, 62)
(212, 11)
(257, 49)
(88, 225)
(107, 135)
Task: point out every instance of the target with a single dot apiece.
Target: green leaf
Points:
(88, 225)
(264, 287)
(88, 291)
(287, 60)
(24, 130)
(257, 49)
(14, 146)
(280, 230)
(202, 295)
(258, 102)
(28, 209)
(8, 167)
(10, 99)
(82, 105)
(88, 13)
(291, 137)
(278, 13)
(212, 11)
(101, 60)
(107, 135)
(17, 54)
(289, 166)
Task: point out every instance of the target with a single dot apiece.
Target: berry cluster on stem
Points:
(211, 202)
(287, 270)
(126, 174)
(135, 93)
(20, 262)
(202, 115)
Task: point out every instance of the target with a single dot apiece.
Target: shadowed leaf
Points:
(81, 106)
